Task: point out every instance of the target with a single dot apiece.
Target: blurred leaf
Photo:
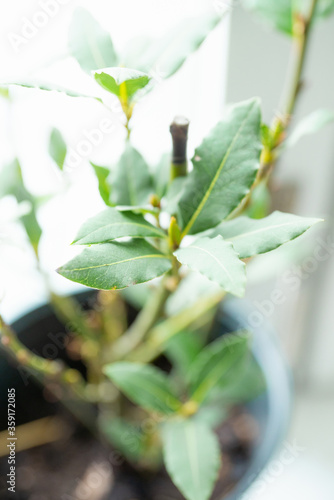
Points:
(310, 125)
(11, 183)
(212, 366)
(281, 14)
(192, 457)
(161, 58)
(122, 82)
(217, 260)
(251, 237)
(4, 92)
(145, 385)
(192, 287)
(325, 8)
(131, 180)
(278, 14)
(244, 383)
(161, 175)
(174, 195)
(89, 43)
(57, 148)
(49, 87)
(125, 437)
(182, 349)
(102, 174)
(259, 203)
(111, 224)
(225, 167)
(116, 265)
(137, 295)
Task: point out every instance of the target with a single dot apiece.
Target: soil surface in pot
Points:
(80, 468)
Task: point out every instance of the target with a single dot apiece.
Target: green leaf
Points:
(145, 385)
(217, 260)
(182, 349)
(310, 125)
(192, 457)
(161, 58)
(242, 384)
(161, 175)
(122, 82)
(225, 167)
(111, 224)
(325, 8)
(173, 196)
(213, 365)
(102, 174)
(131, 180)
(57, 148)
(89, 43)
(124, 437)
(259, 203)
(251, 237)
(50, 87)
(12, 183)
(116, 265)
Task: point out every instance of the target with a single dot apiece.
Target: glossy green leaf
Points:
(162, 57)
(145, 385)
(89, 43)
(116, 265)
(225, 167)
(310, 125)
(192, 457)
(57, 148)
(131, 180)
(111, 224)
(217, 260)
(102, 174)
(122, 82)
(212, 366)
(251, 237)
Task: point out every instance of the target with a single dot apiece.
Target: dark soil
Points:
(80, 468)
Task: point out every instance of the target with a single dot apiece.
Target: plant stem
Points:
(179, 132)
(301, 39)
(69, 378)
(69, 311)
